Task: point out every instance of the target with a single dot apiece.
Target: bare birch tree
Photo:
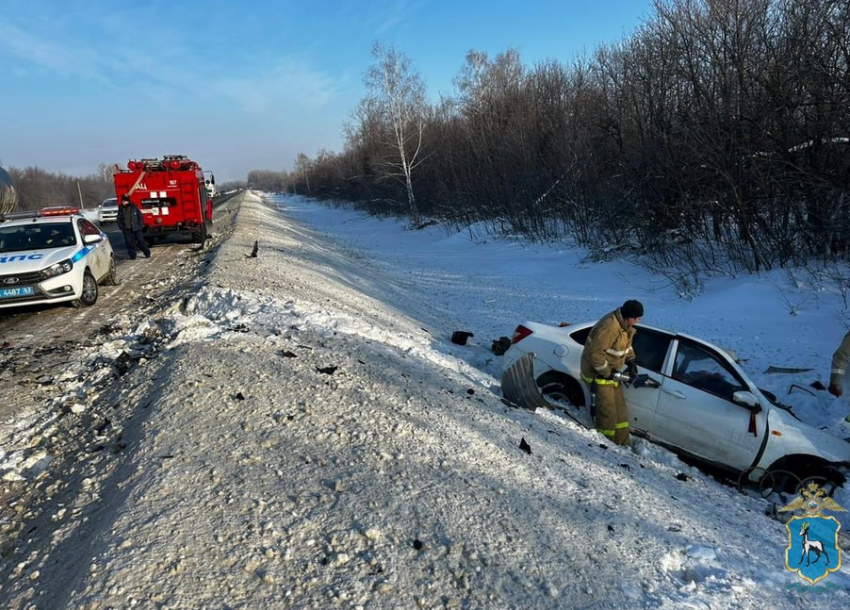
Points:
(302, 166)
(399, 93)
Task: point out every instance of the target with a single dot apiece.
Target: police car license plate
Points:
(8, 293)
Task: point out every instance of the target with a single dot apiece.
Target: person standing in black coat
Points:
(130, 222)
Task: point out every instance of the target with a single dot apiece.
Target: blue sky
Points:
(242, 86)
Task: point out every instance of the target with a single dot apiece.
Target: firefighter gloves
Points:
(632, 369)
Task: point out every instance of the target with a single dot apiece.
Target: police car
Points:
(52, 256)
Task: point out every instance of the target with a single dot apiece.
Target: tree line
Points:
(36, 188)
(717, 136)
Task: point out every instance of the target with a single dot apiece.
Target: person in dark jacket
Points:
(130, 222)
(607, 349)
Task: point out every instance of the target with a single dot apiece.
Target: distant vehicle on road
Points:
(172, 195)
(209, 184)
(52, 256)
(108, 210)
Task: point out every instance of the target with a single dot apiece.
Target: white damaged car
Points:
(690, 396)
(52, 256)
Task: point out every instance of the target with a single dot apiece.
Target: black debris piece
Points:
(626, 466)
(417, 544)
(327, 370)
(501, 345)
(459, 337)
(524, 446)
(610, 528)
(254, 251)
(682, 476)
(239, 396)
(287, 354)
(470, 391)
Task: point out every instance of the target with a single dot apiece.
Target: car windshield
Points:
(110, 203)
(36, 237)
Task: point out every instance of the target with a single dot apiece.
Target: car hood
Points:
(799, 437)
(33, 260)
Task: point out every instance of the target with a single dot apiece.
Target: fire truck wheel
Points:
(89, 295)
(201, 236)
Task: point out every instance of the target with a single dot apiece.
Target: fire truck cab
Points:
(171, 193)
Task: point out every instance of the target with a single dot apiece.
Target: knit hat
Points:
(632, 309)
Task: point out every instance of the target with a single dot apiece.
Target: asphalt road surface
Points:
(37, 341)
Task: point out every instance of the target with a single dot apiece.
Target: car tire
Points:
(111, 277)
(560, 387)
(88, 297)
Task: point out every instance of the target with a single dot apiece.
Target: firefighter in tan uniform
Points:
(607, 349)
(839, 367)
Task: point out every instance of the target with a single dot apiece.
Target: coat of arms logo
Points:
(813, 550)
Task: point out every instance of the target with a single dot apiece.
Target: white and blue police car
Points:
(53, 256)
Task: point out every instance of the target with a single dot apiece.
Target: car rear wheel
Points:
(89, 295)
(562, 388)
(111, 277)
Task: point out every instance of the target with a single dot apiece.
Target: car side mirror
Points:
(746, 399)
(92, 239)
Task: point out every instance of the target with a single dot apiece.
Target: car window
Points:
(13, 239)
(651, 348)
(580, 336)
(87, 228)
(37, 237)
(56, 235)
(701, 369)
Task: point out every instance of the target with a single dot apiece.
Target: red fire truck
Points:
(171, 194)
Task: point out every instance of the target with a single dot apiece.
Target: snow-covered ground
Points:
(299, 432)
